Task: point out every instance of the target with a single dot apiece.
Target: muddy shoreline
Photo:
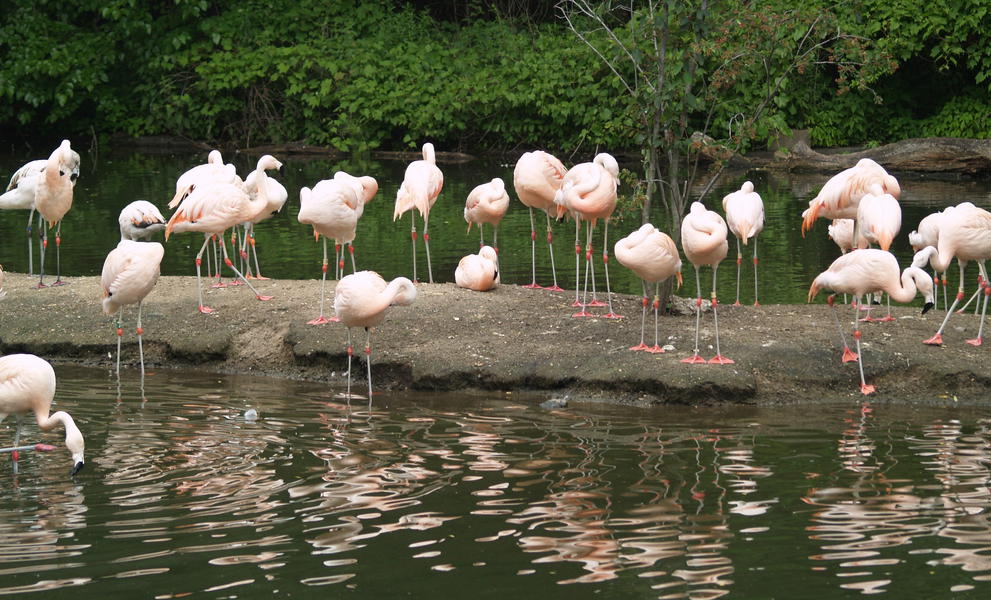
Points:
(511, 339)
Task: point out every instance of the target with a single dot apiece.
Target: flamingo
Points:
(140, 220)
(212, 209)
(213, 171)
(745, 218)
(27, 384)
(841, 232)
(331, 207)
(259, 184)
(866, 271)
(964, 234)
(487, 203)
(537, 178)
(479, 272)
(130, 272)
(20, 193)
(879, 219)
(589, 194)
(365, 187)
(420, 188)
(703, 237)
(927, 234)
(840, 197)
(653, 256)
(360, 300)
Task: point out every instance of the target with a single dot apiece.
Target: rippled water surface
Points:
(490, 496)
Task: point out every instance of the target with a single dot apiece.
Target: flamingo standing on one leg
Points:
(703, 237)
(964, 234)
(258, 183)
(212, 209)
(537, 178)
(487, 203)
(589, 194)
(420, 188)
(53, 199)
(479, 272)
(745, 218)
(840, 197)
(331, 207)
(653, 256)
(360, 300)
(867, 271)
(130, 272)
(365, 187)
(20, 193)
(27, 385)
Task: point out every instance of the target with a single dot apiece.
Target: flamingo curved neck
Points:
(909, 285)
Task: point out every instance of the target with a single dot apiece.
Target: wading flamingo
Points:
(487, 203)
(653, 256)
(745, 218)
(258, 183)
(331, 207)
(140, 220)
(27, 385)
(537, 178)
(840, 197)
(479, 272)
(964, 234)
(360, 300)
(589, 194)
(130, 272)
(365, 187)
(20, 192)
(864, 272)
(420, 188)
(212, 209)
(703, 238)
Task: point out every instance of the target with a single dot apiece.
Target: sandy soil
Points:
(510, 339)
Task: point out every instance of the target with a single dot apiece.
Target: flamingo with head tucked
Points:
(487, 203)
(479, 272)
(27, 385)
(745, 218)
(360, 300)
(365, 187)
(840, 197)
(537, 177)
(867, 271)
(421, 186)
(653, 256)
(703, 238)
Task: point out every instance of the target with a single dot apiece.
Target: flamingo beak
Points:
(76, 468)
(926, 307)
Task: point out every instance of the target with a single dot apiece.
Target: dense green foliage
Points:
(467, 75)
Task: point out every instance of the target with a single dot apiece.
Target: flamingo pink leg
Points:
(230, 263)
(412, 217)
(739, 262)
(656, 348)
(937, 339)
(605, 267)
(58, 255)
(980, 330)
(199, 289)
(718, 359)
(756, 303)
(696, 359)
(643, 320)
(550, 247)
(323, 286)
(864, 388)
(578, 277)
(533, 255)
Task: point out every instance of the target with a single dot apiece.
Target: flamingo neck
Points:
(909, 285)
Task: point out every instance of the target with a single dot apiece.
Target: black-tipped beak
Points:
(73, 177)
(926, 307)
(282, 170)
(76, 468)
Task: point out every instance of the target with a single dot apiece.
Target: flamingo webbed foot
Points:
(612, 315)
(596, 302)
(642, 347)
(719, 359)
(975, 342)
(694, 360)
(849, 355)
(936, 340)
(531, 286)
(264, 298)
(656, 350)
(554, 288)
(206, 310)
(582, 313)
(867, 389)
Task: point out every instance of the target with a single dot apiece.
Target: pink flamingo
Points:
(653, 256)
(27, 385)
(259, 184)
(365, 187)
(212, 209)
(745, 217)
(964, 234)
(589, 194)
(20, 193)
(52, 199)
(360, 300)
(866, 271)
(537, 178)
(840, 197)
(841, 232)
(130, 272)
(331, 207)
(420, 188)
(213, 171)
(927, 234)
(140, 220)
(703, 237)
(487, 203)
(479, 272)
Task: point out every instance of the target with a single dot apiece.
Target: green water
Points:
(457, 496)
(112, 178)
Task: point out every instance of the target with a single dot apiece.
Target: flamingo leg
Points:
(756, 303)
(578, 254)
(120, 334)
(937, 340)
(323, 287)
(550, 248)
(656, 349)
(58, 255)
(848, 355)
(718, 359)
(368, 362)
(215, 263)
(987, 291)
(30, 244)
(15, 455)
(229, 263)
(350, 354)
(199, 289)
(426, 244)
(354, 268)
(605, 267)
(588, 261)
(412, 218)
(42, 246)
(864, 388)
(695, 359)
(888, 317)
(338, 261)
(643, 320)
(739, 262)
(590, 264)
(533, 254)
(254, 253)
(234, 248)
(141, 350)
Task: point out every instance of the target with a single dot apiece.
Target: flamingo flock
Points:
(211, 199)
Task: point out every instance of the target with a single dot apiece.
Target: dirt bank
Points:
(508, 339)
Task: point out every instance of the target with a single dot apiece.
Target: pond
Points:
(492, 496)
(112, 178)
